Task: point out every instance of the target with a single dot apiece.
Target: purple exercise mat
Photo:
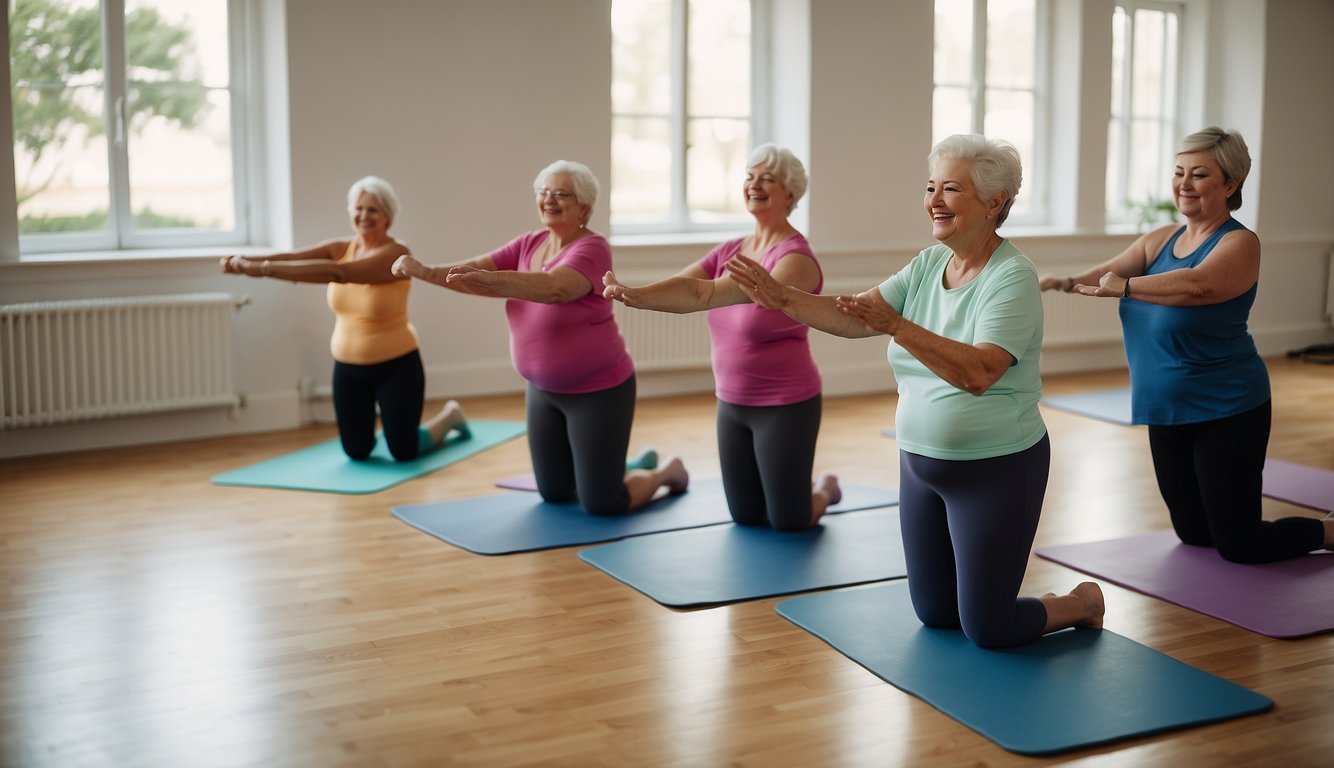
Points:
(518, 483)
(1296, 484)
(1286, 599)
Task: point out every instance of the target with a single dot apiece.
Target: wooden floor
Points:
(149, 618)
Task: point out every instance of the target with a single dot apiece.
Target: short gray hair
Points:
(379, 189)
(996, 166)
(785, 165)
(581, 178)
(1230, 152)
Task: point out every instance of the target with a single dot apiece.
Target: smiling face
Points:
(369, 217)
(959, 216)
(764, 191)
(557, 205)
(1198, 185)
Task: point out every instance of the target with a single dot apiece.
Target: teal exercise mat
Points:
(324, 467)
(731, 563)
(1288, 599)
(507, 523)
(1068, 690)
(1110, 405)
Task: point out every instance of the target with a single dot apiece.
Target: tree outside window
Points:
(123, 123)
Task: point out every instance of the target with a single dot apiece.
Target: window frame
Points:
(1118, 211)
(1035, 186)
(120, 235)
(680, 219)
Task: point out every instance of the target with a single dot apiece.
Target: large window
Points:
(682, 113)
(987, 60)
(126, 123)
(1142, 132)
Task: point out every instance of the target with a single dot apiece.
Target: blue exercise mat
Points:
(1068, 690)
(1111, 405)
(324, 467)
(505, 523)
(728, 563)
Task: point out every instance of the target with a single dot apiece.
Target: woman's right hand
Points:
(616, 291)
(228, 265)
(1054, 283)
(756, 281)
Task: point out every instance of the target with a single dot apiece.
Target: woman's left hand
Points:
(463, 275)
(878, 316)
(1110, 285)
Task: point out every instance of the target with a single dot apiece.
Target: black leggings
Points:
(1211, 475)
(578, 445)
(967, 528)
(398, 386)
(766, 453)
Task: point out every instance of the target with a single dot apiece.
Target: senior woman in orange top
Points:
(376, 361)
(1196, 378)
(580, 399)
(965, 319)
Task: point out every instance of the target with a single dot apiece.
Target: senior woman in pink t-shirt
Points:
(768, 386)
(564, 342)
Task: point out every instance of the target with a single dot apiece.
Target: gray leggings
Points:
(766, 453)
(578, 445)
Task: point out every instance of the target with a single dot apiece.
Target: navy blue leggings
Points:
(968, 528)
(578, 445)
(1211, 475)
(766, 453)
(398, 386)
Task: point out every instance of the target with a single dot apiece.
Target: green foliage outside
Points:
(56, 62)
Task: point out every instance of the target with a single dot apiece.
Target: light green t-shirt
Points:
(1001, 306)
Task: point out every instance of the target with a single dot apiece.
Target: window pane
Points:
(1011, 43)
(60, 149)
(952, 112)
(954, 44)
(1010, 117)
(641, 57)
(719, 74)
(716, 167)
(178, 106)
(641, 169)
(1147, 69)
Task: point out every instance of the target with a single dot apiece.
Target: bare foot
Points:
(1091, 595)
(452, 417)
(674, 475)
(825, 485)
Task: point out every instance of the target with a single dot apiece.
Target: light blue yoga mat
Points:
(1111, 405)
(728, 563)
(324, 467)
(506, 523)
(1068, 690)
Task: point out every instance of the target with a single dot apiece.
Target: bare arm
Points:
(818, 312)
(320, 265)
(974, 368)
(559, 285)
(691, 289)
(1230, 269)
(408, 266)
(1133, 261)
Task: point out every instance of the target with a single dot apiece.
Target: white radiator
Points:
(67, 361)
(660, 341)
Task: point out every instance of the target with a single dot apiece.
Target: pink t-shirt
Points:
(568, 348)
(760, 356)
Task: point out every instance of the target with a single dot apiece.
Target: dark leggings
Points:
(398, 386)
(968, 527)
(578, 445)
(1211, 475)
(766, 453)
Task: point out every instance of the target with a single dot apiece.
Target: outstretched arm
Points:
(1230, 269)
(408, 266)
(320, 264)
(818, 312)
(1131, 262)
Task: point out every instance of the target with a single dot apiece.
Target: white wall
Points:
(459, 104)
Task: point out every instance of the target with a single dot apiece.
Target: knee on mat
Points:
(1238, 552)
(607, 507)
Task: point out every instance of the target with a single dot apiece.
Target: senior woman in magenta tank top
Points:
(564, 342)
(1196, 378)
(768, 386)
(965, 323)
(376, 361)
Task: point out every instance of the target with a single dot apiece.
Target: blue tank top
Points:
(1192, 364)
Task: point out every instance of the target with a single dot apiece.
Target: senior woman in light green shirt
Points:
(965, 319)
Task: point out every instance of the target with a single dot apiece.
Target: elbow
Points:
(975, 388)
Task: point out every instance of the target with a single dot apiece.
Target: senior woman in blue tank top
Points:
(1196, 378)
(965, 319)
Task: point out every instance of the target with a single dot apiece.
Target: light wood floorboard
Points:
(149, 618)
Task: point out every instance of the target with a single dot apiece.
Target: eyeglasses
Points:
(560, 194)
